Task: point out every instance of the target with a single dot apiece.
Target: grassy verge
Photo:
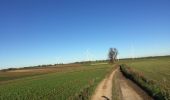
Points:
(116, 91)
(157, 91)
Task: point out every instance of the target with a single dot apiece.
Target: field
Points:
(77, 81)
(25, 72)
(155, 69)
(67, 83)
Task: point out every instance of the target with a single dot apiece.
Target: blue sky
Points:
(36, 32)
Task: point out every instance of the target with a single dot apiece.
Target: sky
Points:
(34, 32)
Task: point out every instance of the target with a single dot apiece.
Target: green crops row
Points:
(56, 86)
(154, 89)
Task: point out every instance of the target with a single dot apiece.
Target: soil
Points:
(104, 89)
(129, 90)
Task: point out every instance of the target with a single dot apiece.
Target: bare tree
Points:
(113, 52)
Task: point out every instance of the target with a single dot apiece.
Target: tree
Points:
(113, 52)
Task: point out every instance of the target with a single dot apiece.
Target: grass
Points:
(157, 68)
(116, 91)
(76, 84)
(154, 70)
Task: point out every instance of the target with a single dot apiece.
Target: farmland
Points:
(156, 68)
(78, 81)
(70, 83)
(25, 72)
(151, 73)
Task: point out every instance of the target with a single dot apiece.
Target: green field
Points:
(155, 70)
(75, 81)
(61, 85)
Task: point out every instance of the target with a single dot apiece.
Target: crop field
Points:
(67, 84)
(76, 81)
(25, 72)
(156, 69)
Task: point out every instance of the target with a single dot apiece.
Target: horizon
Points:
(50, 32)
(84, 61)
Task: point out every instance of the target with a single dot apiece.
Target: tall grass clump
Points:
(152, 87)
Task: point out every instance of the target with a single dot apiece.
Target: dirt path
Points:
(104, 89)
(129, 90)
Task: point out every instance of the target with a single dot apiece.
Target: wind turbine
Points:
(87, 55)
(132, 52)
(118, 58)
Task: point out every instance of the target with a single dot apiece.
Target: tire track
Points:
(129, 90)
(104, 89)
